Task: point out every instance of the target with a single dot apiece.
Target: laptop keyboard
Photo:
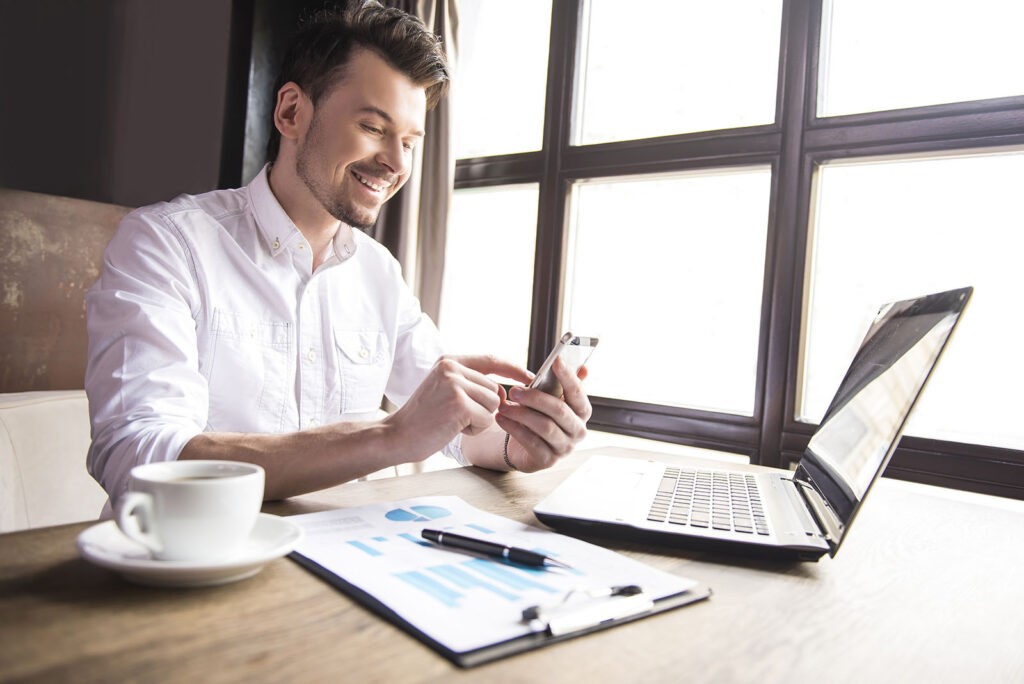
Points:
(718, 500)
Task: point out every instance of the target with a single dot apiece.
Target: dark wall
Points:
(118, 101)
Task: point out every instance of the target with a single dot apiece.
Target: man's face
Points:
(357, 150)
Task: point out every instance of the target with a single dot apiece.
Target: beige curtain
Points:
(414, 224)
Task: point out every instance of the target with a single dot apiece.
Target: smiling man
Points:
(262, 324)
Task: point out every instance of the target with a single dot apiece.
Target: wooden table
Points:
(929, 587)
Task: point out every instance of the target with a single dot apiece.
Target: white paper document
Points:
(461, 600)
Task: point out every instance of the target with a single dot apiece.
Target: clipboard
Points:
(346, 535)
(502, 649)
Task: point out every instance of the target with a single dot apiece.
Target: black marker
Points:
(509, 553)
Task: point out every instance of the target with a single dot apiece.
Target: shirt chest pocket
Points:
(248, 372)
(364, 362)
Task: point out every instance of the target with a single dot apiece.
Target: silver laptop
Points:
(801, 514)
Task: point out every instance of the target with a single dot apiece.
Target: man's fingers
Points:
(549, 420)
(572, 389)
(481, 395)
(533, 453)
(493, 365)
(479, 420)
(455, 371)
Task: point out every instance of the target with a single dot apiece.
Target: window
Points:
(482, 294)
(682, 321)
(718, 188)
(675, 67)
(498, 102)
(931, 224)
(879, 55)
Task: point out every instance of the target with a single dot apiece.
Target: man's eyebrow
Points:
(370, 109)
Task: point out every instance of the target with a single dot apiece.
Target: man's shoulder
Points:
(369, 248)
(365, 241)
(216, 206)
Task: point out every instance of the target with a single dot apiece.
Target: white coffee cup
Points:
(192, 510)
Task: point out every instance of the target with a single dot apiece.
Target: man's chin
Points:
(363, 220)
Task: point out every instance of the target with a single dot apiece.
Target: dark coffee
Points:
(196, 478)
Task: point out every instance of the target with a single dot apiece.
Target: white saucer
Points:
(105, 545)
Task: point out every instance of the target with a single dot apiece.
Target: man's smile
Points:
(376, 184)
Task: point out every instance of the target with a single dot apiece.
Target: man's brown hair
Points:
(319, 53)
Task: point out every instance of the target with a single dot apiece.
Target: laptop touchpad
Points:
(607, 488)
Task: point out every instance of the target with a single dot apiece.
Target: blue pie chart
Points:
(417, 514)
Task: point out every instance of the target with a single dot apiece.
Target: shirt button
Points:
(364, 353)
(311, 355)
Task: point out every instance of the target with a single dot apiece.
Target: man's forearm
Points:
(457, 396)
(301, 462)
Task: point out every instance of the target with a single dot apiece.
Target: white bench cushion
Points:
(44, 437)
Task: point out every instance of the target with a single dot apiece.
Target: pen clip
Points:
(583, 609)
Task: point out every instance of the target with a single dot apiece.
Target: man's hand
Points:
(544, 428)
(457, 396)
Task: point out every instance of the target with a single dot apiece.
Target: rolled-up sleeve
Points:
(417, 349)
(147, 398)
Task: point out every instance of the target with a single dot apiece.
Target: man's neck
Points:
(316, 225)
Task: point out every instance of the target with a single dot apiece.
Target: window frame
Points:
(794, 146)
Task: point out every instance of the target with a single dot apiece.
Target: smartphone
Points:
(574, 350)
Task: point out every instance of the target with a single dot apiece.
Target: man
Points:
(261, 324)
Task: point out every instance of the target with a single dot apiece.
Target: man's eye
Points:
(372, 129)
(408, 146)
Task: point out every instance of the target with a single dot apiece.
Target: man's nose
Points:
(394, 156)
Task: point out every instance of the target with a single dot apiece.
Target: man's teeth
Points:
(370, 184)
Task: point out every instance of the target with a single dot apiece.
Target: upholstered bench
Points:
(51, 249)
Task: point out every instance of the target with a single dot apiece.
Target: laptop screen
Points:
(862, 426)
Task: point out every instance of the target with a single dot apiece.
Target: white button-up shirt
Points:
(207, 317)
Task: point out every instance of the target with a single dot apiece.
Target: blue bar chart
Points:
(450, 584)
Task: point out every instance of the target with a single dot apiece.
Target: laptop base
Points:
(582, 528)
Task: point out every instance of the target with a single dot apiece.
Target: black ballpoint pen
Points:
(509, 553)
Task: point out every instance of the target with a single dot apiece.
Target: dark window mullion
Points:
(551, 214)
(499, 170)
(718, 148)
(721, 431)
(939, 127)
(784, 265)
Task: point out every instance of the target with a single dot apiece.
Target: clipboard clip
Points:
(582, 609)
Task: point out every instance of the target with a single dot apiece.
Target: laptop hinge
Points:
(822, 512)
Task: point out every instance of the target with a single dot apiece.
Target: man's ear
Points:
(292, 111)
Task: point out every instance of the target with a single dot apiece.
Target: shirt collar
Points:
(344, 244)
(273, 223)
(277, 228)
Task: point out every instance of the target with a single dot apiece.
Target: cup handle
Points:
(135, 518)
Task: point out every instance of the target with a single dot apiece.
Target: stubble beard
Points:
(332, 200)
